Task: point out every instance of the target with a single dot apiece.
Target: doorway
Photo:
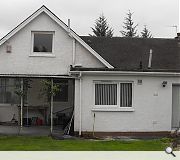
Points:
(175, 106)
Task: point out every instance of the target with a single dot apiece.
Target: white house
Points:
(112, 86)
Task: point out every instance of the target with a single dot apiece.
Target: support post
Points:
(51, 105)
(80, 103)
(73, 51)
(21, 103)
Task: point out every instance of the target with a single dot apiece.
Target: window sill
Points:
(50, 55)
(108, 109)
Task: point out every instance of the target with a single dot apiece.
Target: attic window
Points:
(43, 42)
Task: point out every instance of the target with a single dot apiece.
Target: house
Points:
(108, 86)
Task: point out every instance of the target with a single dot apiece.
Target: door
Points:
(175, 106)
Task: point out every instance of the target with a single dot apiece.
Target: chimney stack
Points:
(150, 59)
(69, 27)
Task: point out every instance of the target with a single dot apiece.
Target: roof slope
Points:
(128, 53)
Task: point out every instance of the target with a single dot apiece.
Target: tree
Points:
(18, 90)
(48, 90)
(129, 26)
(146, 33)
(101, 28)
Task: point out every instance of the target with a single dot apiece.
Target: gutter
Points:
(35, 76)
(129, 73)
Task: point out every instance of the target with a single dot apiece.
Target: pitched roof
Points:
(128, 53)
(44, 9)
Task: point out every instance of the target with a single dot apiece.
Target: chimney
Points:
(150, 59)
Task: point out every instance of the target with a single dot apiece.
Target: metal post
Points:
(27, 117)
(51, 105)
(80, 103)
(21, 103)
(73, 51)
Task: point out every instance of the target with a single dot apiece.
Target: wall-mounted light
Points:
(164, 83)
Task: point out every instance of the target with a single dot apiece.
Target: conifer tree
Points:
(101, 28)
(146, 33)
(129, 26)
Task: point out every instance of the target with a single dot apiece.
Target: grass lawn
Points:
(25, 143)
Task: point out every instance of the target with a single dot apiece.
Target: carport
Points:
(25, 110)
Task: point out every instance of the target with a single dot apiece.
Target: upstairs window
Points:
(43, 42)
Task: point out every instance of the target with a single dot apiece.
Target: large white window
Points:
(42, 43)
(117, 94)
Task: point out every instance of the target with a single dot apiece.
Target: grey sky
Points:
(158, 15)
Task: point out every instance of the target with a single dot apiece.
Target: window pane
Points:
(62, 95)
(7, 91)
(105, 94)
(42, 42)
(2, 90)
(126, 94)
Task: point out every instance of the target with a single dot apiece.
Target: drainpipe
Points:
(73, 51)
(73, 42)
(21, 103)
(80, 103)
(51, 105)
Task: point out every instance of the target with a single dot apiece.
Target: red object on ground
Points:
(39, 122)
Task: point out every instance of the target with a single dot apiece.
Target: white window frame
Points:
(42, 54)
(113, 107)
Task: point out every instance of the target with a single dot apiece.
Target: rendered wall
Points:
(151, 101)
(19, 61)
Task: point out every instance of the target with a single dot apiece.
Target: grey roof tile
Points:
(128, 53)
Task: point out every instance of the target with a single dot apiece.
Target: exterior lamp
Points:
(164, 83)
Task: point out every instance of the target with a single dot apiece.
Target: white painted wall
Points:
(151, 101)
(19, 62)
(85, 59)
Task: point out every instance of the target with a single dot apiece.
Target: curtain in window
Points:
(126, 94)
(105, 94)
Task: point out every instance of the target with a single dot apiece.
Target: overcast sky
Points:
(158, 15)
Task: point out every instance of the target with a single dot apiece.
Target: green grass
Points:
(25, 143)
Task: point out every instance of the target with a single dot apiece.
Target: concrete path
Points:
(32, 131)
